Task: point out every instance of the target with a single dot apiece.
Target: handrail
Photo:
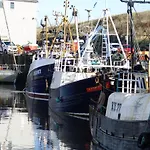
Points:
(131, 82)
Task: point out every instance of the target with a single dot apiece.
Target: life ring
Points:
(97, 80)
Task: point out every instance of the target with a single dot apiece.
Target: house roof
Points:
(31, 1)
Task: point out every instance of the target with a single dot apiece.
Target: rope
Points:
(49, 22)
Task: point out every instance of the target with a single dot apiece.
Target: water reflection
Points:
(26, 124)
(57, 132)
(12, 118)
(69, 133)
(38, 112)
(38, 115)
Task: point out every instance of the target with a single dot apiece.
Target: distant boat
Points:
(8, 71)
(7, 75)
(30, 47)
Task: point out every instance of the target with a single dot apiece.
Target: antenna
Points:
(88, 11)
(56, 14)
(130, 4)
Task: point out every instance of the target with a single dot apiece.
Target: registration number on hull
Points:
(37, 72)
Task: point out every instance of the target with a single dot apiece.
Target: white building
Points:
(20, 19)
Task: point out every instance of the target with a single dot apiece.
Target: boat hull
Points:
(8, 76)
(39, 79)
(117, 134)
(75, 97)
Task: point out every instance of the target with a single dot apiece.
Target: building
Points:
(18, 19)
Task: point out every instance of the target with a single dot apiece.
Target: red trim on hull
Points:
(95, 88)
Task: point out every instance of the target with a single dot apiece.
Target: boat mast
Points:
(75, 14)
(66, 5)
(64, 24)
(56, 15)
(127, 38)
(130, 4)
(46, 36)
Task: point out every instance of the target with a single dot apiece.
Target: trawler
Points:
(121, 120)
(78, 79)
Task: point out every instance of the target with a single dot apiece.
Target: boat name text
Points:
(37, 72)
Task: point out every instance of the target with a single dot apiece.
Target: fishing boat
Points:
(77, 80)
(121, 121)
(30, 47)
(40, 73)
(7, 74)
(9, 69)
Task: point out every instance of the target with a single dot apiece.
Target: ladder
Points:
(104, 37)
(99, 43)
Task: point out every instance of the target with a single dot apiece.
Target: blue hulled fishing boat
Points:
(40, 72)
(77, 81)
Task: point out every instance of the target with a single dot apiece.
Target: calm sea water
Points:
(23, 126)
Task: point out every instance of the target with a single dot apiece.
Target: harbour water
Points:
(23, 126)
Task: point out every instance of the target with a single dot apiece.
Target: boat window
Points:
(1, 4)
(12, 5)
(8, 43)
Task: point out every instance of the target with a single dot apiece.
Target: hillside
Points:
(141, 26)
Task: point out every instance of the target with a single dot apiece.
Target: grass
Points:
(141, 25)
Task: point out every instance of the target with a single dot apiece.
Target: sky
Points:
(48, 7)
